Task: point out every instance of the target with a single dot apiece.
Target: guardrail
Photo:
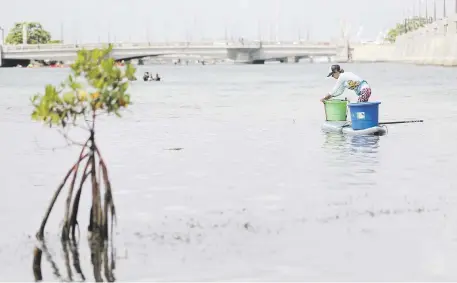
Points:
(34, 47)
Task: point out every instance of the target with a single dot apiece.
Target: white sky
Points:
(178, 20)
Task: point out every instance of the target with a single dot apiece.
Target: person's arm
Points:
(337, 90)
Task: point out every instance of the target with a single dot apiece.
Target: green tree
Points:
(35, 34)
(72, 104)
(406, 26)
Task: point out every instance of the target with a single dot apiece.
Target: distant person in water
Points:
(146, 76)
(350, 81)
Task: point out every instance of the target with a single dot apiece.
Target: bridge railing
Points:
(233, 44)
(115, 45)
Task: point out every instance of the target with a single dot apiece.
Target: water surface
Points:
(257, 192)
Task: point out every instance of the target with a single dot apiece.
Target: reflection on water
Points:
(333, 140)
(341, 142)
(358, 154)
(102, 259)
(365, 141)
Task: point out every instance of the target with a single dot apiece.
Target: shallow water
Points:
(257, 192)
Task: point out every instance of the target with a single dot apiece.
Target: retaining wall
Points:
(369, 52)
(373, 52)
(435, 44)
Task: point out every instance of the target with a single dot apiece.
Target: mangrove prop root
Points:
(109, 275)
(66, 225)
(101, 220)
(96, 246)
(70, 250)
(76, 262)
(109, 202)
(100, 259)
(65, 248)
(37, 253)
(90, 228)
(113, 253)
(40, 234)
(104, 220)
(74, 212)
(96, 210)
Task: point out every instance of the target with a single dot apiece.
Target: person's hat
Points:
(334, 69)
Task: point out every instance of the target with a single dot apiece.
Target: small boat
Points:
(344, 127)
(148, 77)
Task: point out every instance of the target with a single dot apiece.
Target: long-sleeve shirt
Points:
(350, 81)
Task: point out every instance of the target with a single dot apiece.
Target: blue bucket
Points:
(364, 115)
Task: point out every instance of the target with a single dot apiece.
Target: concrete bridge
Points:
(239, 52)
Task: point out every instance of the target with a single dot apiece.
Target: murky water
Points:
(257, 192)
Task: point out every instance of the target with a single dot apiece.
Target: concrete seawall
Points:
(435, 44)
(428, 50)
(371, 53)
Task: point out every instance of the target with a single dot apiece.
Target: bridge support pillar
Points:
(246, 55)
(292, 59)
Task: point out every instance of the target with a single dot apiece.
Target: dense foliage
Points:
(406, 26)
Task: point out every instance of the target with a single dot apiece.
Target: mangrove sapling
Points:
(96, 86)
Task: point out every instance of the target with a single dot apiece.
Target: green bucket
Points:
(335, 110)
